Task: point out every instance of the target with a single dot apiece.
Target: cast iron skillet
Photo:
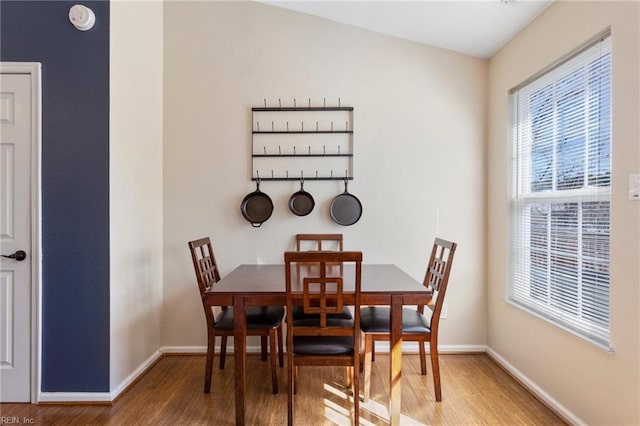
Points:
(346, 209)
(256, 207)
(301, 203)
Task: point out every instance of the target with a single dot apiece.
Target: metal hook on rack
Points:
(338, 102)
(265, 102)
(302, 126)
(316, 174)
(287, 174)
(287, 126)
(309, 103)
(279, 150)
(324, 150)
(316, 126)
(331, 173)
(294, 102)
(309, 149)
(332, 126)
(324, 102)
(301, 176)
(294, 150)
(264, 148)
(258, 124)
(258, 176)
(273, 127)
(346, 126)
(271, 174)
(279, 103)
(338, 149)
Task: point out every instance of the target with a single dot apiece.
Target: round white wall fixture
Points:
(82, 17)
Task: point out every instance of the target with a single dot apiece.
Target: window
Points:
(560, 206)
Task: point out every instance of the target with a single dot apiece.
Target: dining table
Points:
(264, 285)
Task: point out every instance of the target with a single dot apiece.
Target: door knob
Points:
(19, 255)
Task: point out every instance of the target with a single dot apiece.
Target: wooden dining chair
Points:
(416, 325)
(320, 242)
(263, 321)
(320, 339)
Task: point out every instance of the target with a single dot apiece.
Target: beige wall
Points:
(596, 386)
(420, 117)
(135, 186)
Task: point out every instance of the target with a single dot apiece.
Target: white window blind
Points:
(560, 207)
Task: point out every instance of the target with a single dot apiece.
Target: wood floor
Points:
(475, 392)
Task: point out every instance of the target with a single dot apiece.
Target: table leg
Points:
(396, 358)
(239, 355)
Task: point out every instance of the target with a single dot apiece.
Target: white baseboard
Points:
(412, 348)
(74, 397)
(203, 349)
(543, 396)
(185, 349)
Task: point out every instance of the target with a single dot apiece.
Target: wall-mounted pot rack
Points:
(302, 142)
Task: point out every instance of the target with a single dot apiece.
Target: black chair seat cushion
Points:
(323, 345)
(375, 319)
(298, 313)
(257, 317)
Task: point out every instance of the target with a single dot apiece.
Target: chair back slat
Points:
(437, 276)
(205, 267)
(321, 297)
(331, 241)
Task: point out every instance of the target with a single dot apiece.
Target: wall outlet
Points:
(634, 187)
(444, 312)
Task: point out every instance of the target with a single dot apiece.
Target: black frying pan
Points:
(256, 207)
(346, 209)
(301, 203)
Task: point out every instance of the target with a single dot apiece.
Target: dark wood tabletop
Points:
(265, 285)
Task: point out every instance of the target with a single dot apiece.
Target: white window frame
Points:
(521, 197)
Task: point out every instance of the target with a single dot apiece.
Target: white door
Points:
(15, 236)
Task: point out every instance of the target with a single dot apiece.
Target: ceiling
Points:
(476, 27)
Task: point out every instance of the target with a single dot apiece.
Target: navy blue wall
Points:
(75, 185)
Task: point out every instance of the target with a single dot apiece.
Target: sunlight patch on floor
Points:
(340, 415)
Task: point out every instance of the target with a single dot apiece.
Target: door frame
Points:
(33, 69)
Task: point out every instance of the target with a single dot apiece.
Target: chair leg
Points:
(366, 371)
(296, 372)
(263, 348)
(223, 351)
(211, 345)
(280, 347)
(361, 353)
(356, 397)
(349, 376)
(373, 352)
(272, 357)
(290, 386)
(423, 358)
(435, 366)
